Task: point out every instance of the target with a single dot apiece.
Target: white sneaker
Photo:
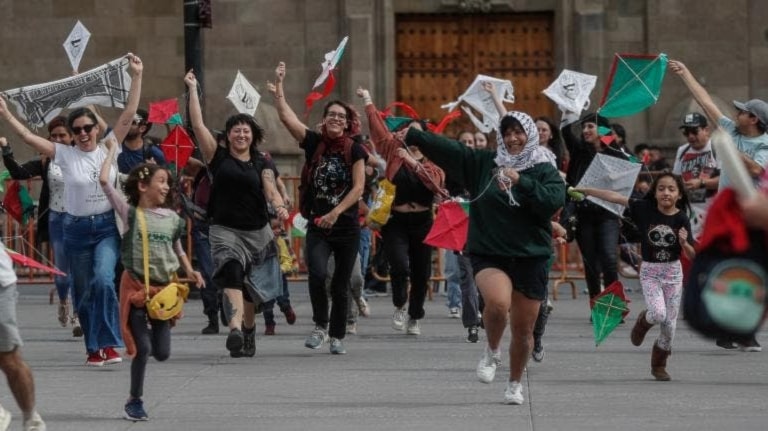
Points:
(486, 368)
(5, 419)
(454, 313)
(35, 423)
(399, 318)
(514, 393)
(413, 327)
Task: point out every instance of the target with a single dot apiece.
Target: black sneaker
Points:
(750, 346)
(212, 328)
(725, 344)
(249, 342)
(472, 334)
(134, 410)
(235, 341)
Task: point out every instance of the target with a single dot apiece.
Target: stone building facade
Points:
(722, 42)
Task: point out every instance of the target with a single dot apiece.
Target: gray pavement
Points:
(392, 381)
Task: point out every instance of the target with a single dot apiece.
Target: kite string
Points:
(487, 186)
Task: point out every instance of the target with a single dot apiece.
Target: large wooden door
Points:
(438, 56)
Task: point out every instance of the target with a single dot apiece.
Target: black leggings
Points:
(155, 341)
(409, 257)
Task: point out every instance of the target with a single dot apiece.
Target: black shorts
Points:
(528, 274)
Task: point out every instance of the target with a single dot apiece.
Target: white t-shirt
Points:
(83, 195)
(7, 274)
(690, 164)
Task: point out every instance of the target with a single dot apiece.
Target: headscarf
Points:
(532, 153)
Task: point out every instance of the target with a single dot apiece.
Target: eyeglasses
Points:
(337, 115)
(690, 131)
(87, 128)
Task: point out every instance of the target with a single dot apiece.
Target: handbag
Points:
(169, 301)
(382, 205)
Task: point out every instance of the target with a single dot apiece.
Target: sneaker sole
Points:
(94, 364)
(113, 361)
(513, 402)
(128, 417)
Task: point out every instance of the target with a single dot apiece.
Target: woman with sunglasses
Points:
(91, 237)
(335, 173)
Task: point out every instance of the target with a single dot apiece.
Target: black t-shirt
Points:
(409, 188)
(332, 178)
(237, 197)
(658, 232)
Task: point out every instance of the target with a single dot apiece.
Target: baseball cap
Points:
(693, 119)
(756, 107)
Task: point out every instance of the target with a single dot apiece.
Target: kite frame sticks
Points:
(620, 57)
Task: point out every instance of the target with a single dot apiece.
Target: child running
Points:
(662, 219)
(147, 189)
(287, 265)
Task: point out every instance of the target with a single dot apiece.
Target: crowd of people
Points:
(105, 191)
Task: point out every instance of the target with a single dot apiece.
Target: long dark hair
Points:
(80, 112)
(353, 119)
(683, 204)
(555, 142)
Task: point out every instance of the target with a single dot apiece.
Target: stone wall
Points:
(723, 42)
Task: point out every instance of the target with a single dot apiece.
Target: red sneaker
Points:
(111, 356)
(290, 316)
(94, 360)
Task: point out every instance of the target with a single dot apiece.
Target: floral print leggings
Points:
(662, 284)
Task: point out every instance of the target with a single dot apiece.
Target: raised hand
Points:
(677, 67)
(488, 86)
(135, 64)
(272, 88)
(280, 72)
(190, 80)
(363, 93)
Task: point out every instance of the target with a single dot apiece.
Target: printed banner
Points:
(106, 85)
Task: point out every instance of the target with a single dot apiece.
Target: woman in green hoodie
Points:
(515, 192)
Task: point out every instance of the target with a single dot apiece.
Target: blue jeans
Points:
(452, 279)
(60, 255)
(283, 301)
(202, 246)
(365, 249)
(92, 243)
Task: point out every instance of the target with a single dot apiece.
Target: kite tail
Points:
(444, 122)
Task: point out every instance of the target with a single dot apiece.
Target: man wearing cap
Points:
(695, 162)
(747, 129)
(136, 148)
(748, 133)
(597, 232)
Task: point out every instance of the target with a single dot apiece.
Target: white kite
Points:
(610, 173)
(75, 44)
(331, 60)
(243, 95)
(482, 102)
(570, 91)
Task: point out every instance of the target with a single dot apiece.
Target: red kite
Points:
(162, 111)
(450, 228)
(177, 147)
(31, 263)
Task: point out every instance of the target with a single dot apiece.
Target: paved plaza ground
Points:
(391, 381)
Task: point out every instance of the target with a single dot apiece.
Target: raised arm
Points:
(106, 166)
(697, 91)
(41, 145)
(488, 86)
(205, 140)
(295, 127)
(606, 195)
(383, 140)
(123, 125)
(32, 168)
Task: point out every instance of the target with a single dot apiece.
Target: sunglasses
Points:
(690, 131)
(87, 128)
